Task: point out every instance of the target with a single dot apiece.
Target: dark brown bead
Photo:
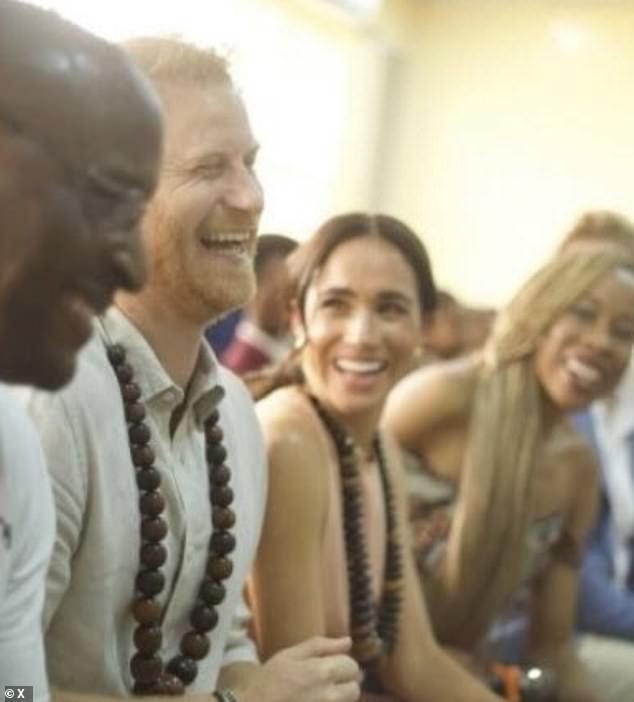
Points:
(222, 496)
(139, 434)
(148, 639)
(219, 567)
(222, 542)
(150, 582)
(142, 456)
(151, 504)
(135, 412)
(153, 529)
(212, 419)
(216, 453)
(220, 475)
(203, 618)
(146, 611)
(212, 592)
(223, 517)
(145, 670)
(124, 372)
(183, 667)
(153, 555)
(214, 433)
(148, 478)
(195, 645)
(131, 392)
(170, 685)
(116, 354)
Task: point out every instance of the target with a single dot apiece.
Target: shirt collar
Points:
(204, 393)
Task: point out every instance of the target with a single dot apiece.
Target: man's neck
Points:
(175, 341)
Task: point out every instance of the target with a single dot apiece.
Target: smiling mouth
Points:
(239, 243)
(586, 375)
(347, 365)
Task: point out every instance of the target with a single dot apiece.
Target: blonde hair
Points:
(601, 227)
(505, 435)
(170, 61)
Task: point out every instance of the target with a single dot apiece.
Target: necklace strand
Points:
(374, 633)
(151, 676)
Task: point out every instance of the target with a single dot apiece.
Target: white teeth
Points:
(226, 238)
(352, 366)
(584, 372)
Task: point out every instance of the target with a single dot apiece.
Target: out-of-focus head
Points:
(80, 146)
(200, 230)
(269, 308)
(575, 316)
(601, 228)
(362, 285)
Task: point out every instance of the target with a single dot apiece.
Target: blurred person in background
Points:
(262, 336)
(505, 495)
(606, 591)
(80, 146)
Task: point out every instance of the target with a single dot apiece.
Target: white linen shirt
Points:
(96, 555)
(26, 540)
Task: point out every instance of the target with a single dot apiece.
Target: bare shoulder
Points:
(432, 397)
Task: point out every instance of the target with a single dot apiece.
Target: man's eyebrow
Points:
(117, 184)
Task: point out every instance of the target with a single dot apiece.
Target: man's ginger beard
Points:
(185, 278)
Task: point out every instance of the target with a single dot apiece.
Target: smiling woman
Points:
(334, 547)
(514, 489)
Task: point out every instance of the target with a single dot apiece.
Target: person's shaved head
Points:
(80, 147)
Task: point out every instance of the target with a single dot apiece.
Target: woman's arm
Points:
(419, 670)
(286, 587)
(555, 593)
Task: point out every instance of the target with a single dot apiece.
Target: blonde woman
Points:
(334, 558)
(505, 495)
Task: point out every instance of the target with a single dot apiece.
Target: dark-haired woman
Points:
(334, 558)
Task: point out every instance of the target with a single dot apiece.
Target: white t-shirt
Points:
(27, 529)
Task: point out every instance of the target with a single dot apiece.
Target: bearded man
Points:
(155, 453)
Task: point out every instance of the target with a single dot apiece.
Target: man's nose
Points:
(244, 192)
(128, 264)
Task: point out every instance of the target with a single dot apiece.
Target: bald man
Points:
(80, 148)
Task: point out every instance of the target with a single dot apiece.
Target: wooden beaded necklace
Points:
(151, 676)
(374, 630)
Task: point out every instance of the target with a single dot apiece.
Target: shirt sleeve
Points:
(603, 607)
(239, 647)
(22, 660)
(68, 480)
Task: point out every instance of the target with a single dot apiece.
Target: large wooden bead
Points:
(139, 434)
(150, 582)
(148, 478)
(148, 639)
(195, 645)
(220, 475)
(222, 542)
(153, 555)
(183, 667)
(170, 685)
(214, 433)
(142, 456)
(135, 412)
(213, 418)
(223, 517)
(116, 354)
(219, 568)
(131, 392)
(203, 618)
(151, 503)
(153, 529)
(146, 611)
(216, 453)
(212, 592)
(145, 670)
(222, 496)
(124, 372)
